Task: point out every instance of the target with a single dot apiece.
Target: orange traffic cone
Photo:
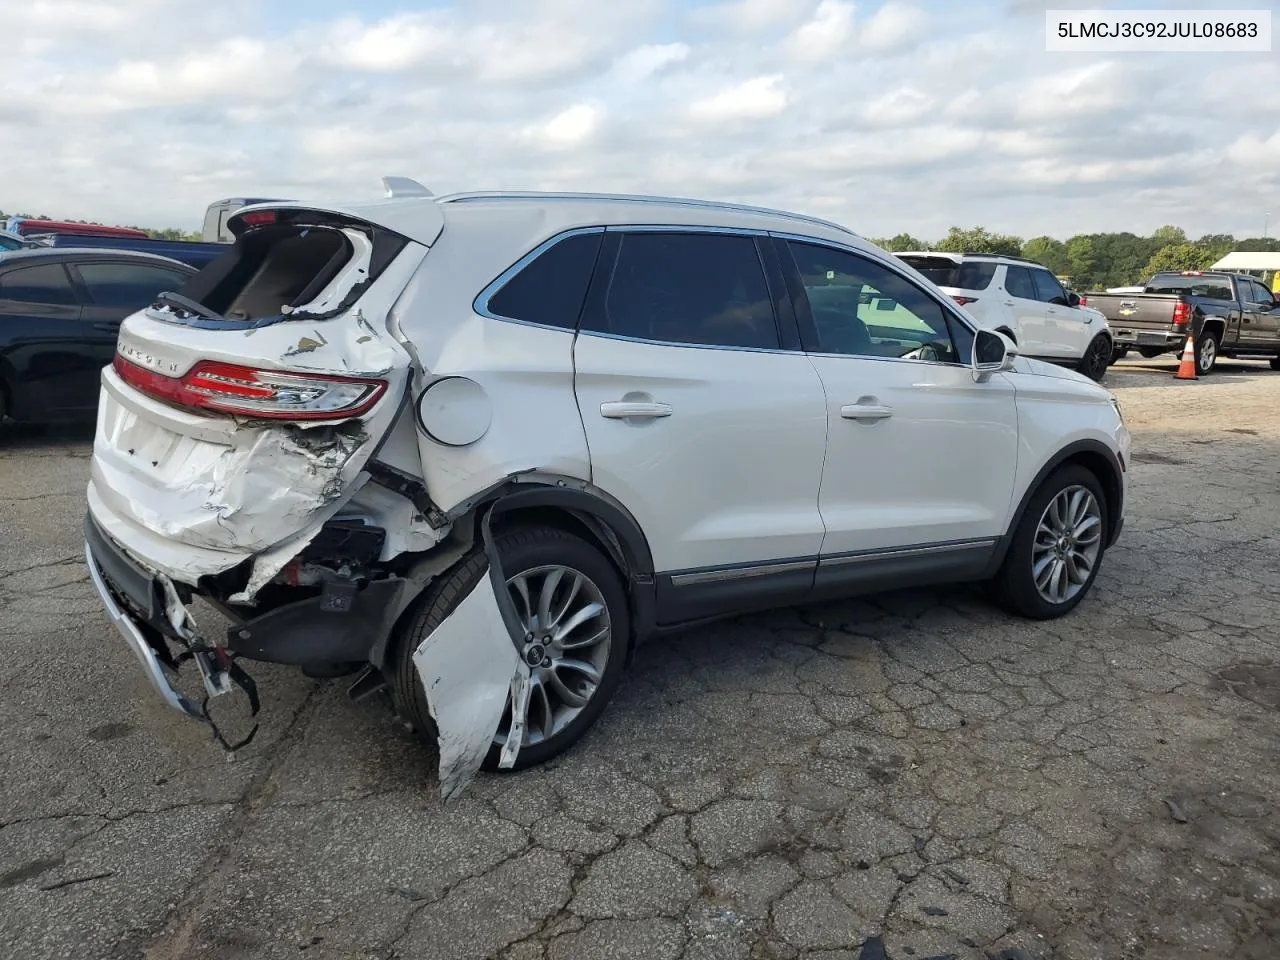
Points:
(1187, 366)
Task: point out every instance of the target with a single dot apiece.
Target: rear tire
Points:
(1119, 353)
(1275, 363)
(1028, 583)
(525, 552)
(1149, 354)
(1206, 353)
(1097, 357)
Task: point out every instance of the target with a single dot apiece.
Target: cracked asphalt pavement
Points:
(914, 775)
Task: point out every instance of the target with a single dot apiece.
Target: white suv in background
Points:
(480, 446)
(1023, 300)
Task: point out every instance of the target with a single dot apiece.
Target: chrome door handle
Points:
(866, 411)
(629, 409)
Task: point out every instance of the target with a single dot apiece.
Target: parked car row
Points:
(480, 446)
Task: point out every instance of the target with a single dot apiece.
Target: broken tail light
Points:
(1181, 314)
(251, 392)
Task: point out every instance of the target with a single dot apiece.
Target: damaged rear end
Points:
(236, 429)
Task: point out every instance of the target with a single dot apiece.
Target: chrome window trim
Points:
(481, 302)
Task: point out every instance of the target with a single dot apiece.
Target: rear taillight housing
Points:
(1181, 314)
(1084, 301)
(963, 301)
(252, 392)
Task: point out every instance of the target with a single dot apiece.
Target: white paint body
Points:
(724, 457)
(755, 461)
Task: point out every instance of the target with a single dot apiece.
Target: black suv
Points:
(60, 312)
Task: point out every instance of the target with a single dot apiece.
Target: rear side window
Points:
(701, 289)
(128, 285)
(47, 283)
(551, 288)
(945, 272)
(1018, 283)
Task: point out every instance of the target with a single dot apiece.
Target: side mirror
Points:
(992, 353)
(1073, 299)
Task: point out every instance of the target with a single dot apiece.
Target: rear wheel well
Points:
(587, 528)
(1214, 325)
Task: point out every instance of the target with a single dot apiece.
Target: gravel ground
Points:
(914, 775)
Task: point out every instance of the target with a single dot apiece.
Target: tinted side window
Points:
(693, 288)
(975, 275)
(47, 283)
(130, 286)
(1047, 286)
(1259, 293)
(1017, 283)
(550, 289)
(861, 308)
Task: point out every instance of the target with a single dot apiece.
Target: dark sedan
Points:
(60, 312)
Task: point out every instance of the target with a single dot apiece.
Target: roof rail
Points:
(1007, 256)
(640, 198)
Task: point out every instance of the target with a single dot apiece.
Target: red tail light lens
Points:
(1181, 314)
(259, 217)
(963, 301)
(1084, 301)
(250, 392)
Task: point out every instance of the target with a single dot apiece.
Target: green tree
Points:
(1052, 253)
(1169, 234)
(900, 242)
(979, 240)
(1180, 256)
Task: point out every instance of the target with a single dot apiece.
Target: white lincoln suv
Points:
(1024, 301)
(475, 448)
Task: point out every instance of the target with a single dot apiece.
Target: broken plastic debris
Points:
(470, 669)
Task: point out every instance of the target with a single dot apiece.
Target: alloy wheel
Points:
(566, 644)
(1067, 544)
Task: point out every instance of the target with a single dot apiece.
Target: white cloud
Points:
(754, 99)
(825, 34)
(892, 27)
(572, 125)
(894, 122)
(643, 62)
(750, 16)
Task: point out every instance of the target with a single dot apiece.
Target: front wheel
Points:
(1206, 353)
(572, 605)
(1057, 547)
(1275, 363)
(1097, 357)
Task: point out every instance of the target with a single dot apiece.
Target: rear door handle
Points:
(634, 409)
(1008, 303)
(866, 411)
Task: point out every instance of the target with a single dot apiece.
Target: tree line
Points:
(168, 233)
(1090, 261)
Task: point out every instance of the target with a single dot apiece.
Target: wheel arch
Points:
(1096, 457)
(579, 508)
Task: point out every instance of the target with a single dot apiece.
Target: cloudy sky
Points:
(889, 116)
